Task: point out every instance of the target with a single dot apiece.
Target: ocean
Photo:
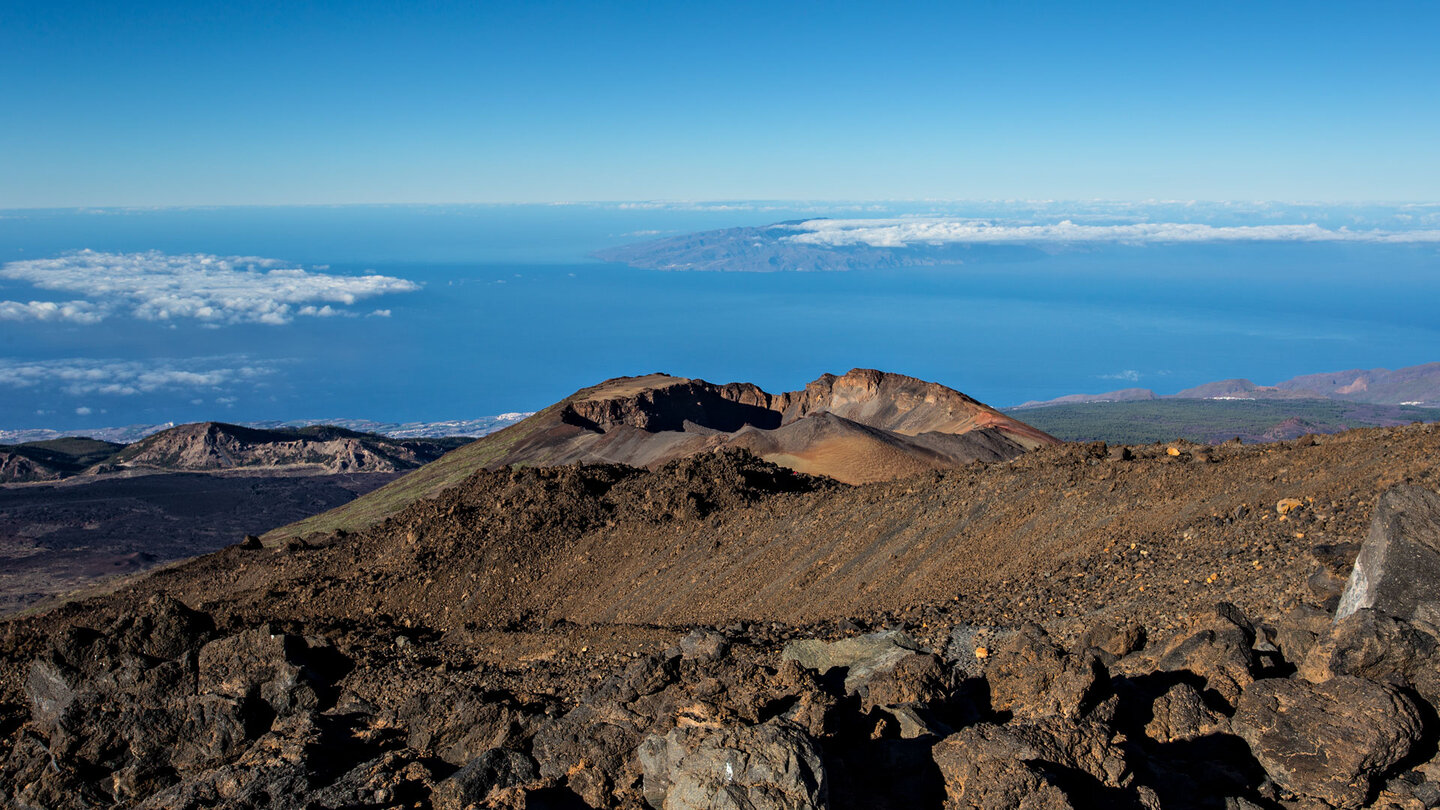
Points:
(511, 314)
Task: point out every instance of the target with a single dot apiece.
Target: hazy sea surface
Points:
(512, 315)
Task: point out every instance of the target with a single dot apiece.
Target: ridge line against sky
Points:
(162, 103)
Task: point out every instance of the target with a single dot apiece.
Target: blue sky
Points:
(153, 104)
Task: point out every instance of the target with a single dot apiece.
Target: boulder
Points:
(1330, 741)
(861, 657)
(283, 670)
(1031, 677)
(916, 678)
(1298, 630)
(704, 645)
(1398, 570)
(1181, 714)
(1217, 648)
(814, 704)
(772, 766)
(989, 767)
(495, 769)
(457, 725)
(1369, 644)
(164, 628)
(1113, 638)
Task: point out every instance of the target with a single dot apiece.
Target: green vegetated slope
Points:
(1211, 421)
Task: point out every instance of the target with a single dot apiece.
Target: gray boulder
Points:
(861, 657)
(1398, 570)
(772, 766)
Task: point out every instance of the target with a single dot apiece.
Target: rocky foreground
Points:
(249, 679)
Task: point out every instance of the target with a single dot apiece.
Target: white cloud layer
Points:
(81, 377)
(905, 232)
(216, 290)
(74, 311)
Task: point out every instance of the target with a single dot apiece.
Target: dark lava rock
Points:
(1398, 570)
(990, 767)
(1112, 638)
(1370, 644)
(1031, 677)
(704, 645)
(1182, 714)
(495, 769)
(1217, 648)
(259, 663)
(1330, 741)
(1296, 631)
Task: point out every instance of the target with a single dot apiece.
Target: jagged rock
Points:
(1398, 570)
(704, 645)
(1113, 638)
(861, 657)
(1329, 741)
(262, 664)
(813, 705)
(773, 766)
(389, 780)
(1216, 648)
(989, 767)
(916, 678)
(458, 727)
(125, 719)
(495, 769)
(1370, 644)
(914, 722)
(1031, 677)
(1181, 714)
(591, 746)
(165, 629)
(1298, 630)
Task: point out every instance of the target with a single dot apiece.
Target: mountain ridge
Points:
(652, 419)
(1417, 385)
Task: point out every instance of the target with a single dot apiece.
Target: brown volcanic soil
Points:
(530, 586)
(1059, 536)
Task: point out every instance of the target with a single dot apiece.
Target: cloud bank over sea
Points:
(907, 232)
(214, 290)
(115, 377)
